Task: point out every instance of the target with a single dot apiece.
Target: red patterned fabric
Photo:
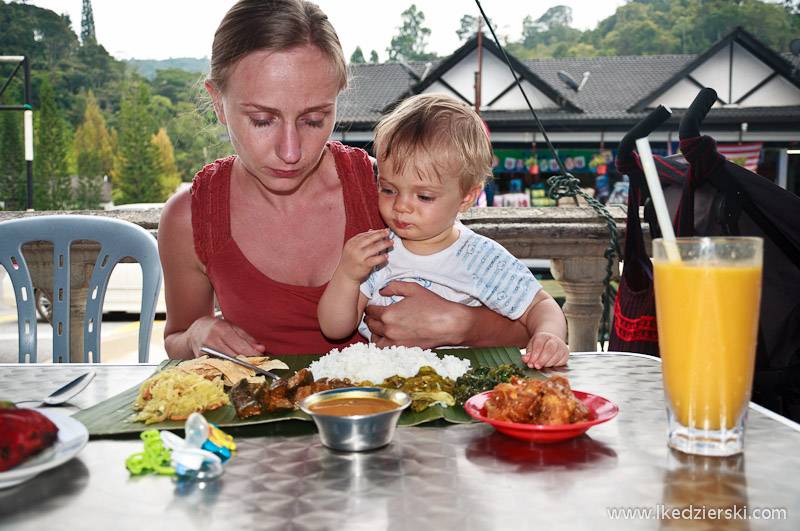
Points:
(635, 328)
(280, 316)
(641, 328)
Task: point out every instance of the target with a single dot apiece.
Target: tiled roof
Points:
(375, 87)
(614, 85)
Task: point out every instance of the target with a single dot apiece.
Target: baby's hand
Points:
(545, 350)
(362, 252)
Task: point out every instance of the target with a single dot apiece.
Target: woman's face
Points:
(280, 109)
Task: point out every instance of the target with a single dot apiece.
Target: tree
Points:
(357, 57)
(410, 42)
(13, 180)
(136, 174)
(37, 33)
(165, 157)
(52, 183)
(550, 30)
(373, 57)
(177, 85)
(195, 136)
(94, 156)
(87, 23)
(469, 27)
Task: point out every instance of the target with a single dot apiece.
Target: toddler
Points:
(434, 157)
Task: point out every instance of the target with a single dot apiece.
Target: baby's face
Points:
(420, 207)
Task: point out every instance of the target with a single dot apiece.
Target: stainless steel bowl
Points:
(358, 432)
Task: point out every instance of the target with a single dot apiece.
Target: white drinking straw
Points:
(657, 195)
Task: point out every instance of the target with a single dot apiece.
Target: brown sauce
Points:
(346, 407)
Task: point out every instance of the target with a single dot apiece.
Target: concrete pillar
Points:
(582, 281)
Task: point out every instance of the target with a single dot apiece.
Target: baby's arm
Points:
(342, 305)
(548, 329)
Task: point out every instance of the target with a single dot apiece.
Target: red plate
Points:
(600, 410)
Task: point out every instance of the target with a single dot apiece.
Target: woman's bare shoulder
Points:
(176, 216)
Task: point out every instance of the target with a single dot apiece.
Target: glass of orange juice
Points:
(708, 293)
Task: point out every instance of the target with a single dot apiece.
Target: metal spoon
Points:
(218, 354)
(65, 393)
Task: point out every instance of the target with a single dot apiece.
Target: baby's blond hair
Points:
(447, 129)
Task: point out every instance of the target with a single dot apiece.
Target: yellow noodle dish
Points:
(173, 394)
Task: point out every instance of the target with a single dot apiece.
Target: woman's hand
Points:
(217, 333)
(545, 350)
(424, 319)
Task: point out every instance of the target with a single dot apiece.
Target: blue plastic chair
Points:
(118, 239)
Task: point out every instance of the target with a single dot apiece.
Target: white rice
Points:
(362, 362)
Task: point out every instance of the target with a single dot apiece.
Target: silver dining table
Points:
(619, 475)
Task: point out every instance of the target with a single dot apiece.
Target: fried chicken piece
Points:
(303, 392)
(530, 401)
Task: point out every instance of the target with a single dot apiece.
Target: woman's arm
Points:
(188, 292)
(426, 320)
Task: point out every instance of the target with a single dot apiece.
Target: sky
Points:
(163, 29)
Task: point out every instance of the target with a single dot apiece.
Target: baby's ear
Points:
(470, 197)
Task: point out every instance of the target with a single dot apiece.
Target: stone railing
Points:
(574, 239)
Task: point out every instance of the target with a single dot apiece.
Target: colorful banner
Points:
(574, 160)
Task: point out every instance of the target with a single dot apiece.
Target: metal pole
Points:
(480, 64)
(28, 132)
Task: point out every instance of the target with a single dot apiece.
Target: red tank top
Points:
(280, 316)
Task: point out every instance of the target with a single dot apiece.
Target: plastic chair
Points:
(118, 239)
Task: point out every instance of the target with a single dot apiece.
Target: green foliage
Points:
(137, 172)
(373, 57)
(13, 180)
(468, 26)
(176, 84)
(358, 56)
(93, 145)
(87, 23)
(149, 68)
(410, 42)
(196, 139)
(165, 160)
(52, 183)
(649, 27)
(39, 34)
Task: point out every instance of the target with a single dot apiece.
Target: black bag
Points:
(635, 328)
(718, 197)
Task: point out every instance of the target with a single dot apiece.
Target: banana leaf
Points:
(112, 416)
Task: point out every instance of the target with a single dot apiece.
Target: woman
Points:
(263, 230)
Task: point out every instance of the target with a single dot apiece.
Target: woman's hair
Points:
(272, 25)
(452, 134)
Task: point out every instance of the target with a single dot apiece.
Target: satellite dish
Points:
(566, 78)
(794, 46)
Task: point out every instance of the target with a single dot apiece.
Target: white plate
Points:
(72, 437)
